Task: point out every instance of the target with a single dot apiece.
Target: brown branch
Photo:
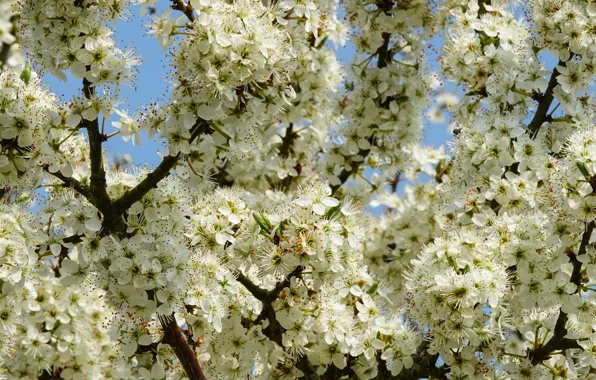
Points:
(275, 331)
(70, 182)
(159, 173)
(180, 5)
(284, 149)
(334, 373)
(558, 340)
(54, 375)
(309, 373)
(383, 53)
(394, 182)
(259, 293)
(424, 367)
(354, 167)
(297, 272)
(74, 239)
(112, 221)
(443, 167)
(545, 101)
(98, 174)
(4, 50)
(185, 354)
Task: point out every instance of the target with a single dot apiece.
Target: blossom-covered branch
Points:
(249, 251)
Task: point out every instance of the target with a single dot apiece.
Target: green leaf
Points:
(26, 73)
(332, 212)
(263, 222)
(582, 168)
(350, 85)
(373, 288)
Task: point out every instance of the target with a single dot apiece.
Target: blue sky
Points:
(151, 86)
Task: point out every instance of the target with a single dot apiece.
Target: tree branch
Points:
(74, 239)
(558, 340)
(424, 367)
(285, 283)
(4, 50)
(267, 298)
(260, 294)
(180, 5)
(304, 366)
(74, 184)
(354, 166)
(185, 354)
(284, 149)
(159, 173)
(98, 174)
(53, 375)
(545, 101)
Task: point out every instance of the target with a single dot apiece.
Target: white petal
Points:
(130, 349)
(302, 202)
(205, 112)
(93, 224)
(145, 340)
(73, 120)
(318, 209)
(330, 202)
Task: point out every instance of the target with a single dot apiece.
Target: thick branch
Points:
(46, 375)
(384, 52)
(304, 366)
(284, 149)
(185, 354)
(98, 174)
(424, 367)
(558, 341)
(545, 101)
(74, 184)
(159, 173)
(4, 50)
(180, 5)
(274, 331)
(285, 283)
(74, 239)
(258, 293)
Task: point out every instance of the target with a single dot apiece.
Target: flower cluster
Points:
(10, 54)
(289, 144)
(44, 325)
(505, 279)
(254, 85)
(398, 235)
(385, 93)
(25, 107)
(62, 330)
(66, 35)
(300, 284)
(234, 66)
(244, 254)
